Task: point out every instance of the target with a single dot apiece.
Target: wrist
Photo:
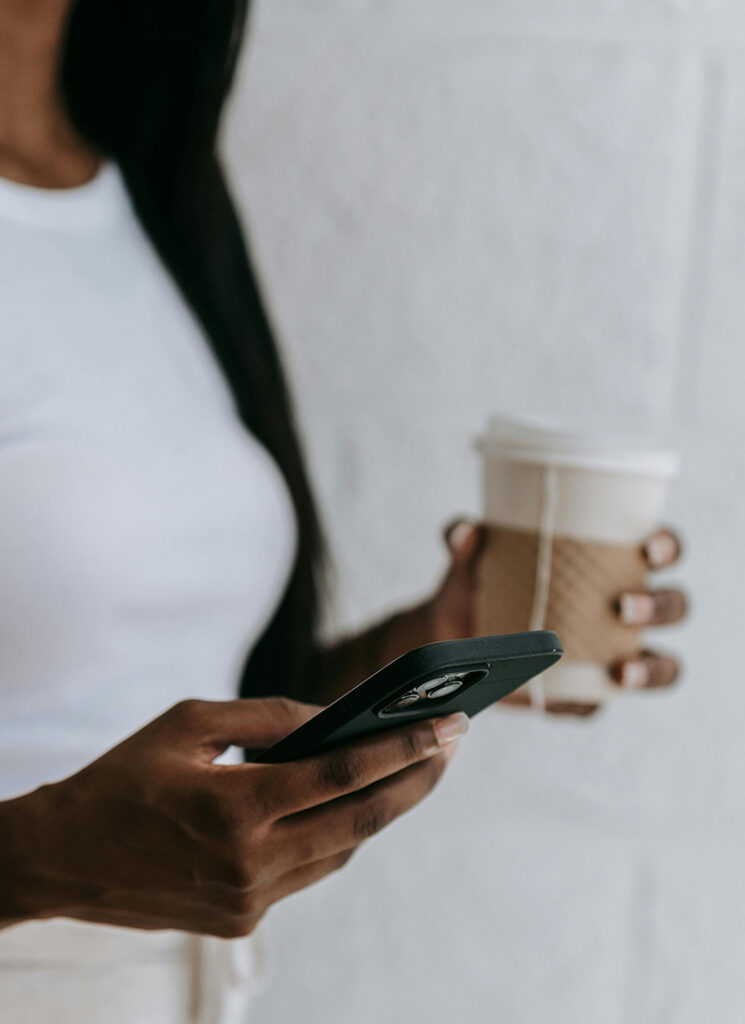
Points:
(30, 890)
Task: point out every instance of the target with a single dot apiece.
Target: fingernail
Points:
(661, 550)
(635, 675)
(450, 729)
(636, 609)
(460, 534)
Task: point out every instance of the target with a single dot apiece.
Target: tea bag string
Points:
(542, 583)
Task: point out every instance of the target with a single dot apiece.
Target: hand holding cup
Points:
(569, 535)
(454, 612)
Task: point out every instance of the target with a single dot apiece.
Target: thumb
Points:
(213, 726)
(464, 540)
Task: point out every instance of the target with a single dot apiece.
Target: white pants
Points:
(64, 972)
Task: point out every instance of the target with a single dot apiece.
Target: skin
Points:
(454, 609)
(449, 614)
(38, 144)
(154, 834)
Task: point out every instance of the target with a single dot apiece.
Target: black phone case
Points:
(498, 665)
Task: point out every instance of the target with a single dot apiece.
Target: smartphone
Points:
(434, 680)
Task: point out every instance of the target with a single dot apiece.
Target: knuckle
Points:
(415, 742)
(372, 818)
(340, 770)
(188, 712)
(241, 873)
(282, 708)
(245, 904)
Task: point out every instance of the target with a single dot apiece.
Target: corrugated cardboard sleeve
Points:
(586, 579)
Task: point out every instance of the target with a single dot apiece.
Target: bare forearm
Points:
(353, 659)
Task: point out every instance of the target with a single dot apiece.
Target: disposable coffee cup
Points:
(566, 516)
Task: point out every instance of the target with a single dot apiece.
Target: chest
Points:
(129, 490)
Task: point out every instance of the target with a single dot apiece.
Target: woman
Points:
(156, 526)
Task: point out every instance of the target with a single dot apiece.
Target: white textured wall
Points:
(517, 205)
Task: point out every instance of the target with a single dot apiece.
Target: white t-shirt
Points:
(145, 536)
(145, 541)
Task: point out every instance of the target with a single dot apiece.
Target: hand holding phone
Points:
(435, 680)
(154, 835)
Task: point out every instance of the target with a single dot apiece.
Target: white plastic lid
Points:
(549, 443)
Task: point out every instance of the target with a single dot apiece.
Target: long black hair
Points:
(145, 81)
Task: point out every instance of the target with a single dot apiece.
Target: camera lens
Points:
(404, 701)
(442, 686)
(445, 688)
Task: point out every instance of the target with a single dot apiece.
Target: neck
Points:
(38, 143)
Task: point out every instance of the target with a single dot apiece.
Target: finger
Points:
(317, 780)
(212, 726)
(517, 699)
(662, 549)
(464, 539)
(350, 820)
(646, 671)
(521, 699)
(571, 707)
(652, 607)
(307, 875)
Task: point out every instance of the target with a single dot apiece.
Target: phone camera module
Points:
(443, 687)
(438, 689)
(404, 701)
